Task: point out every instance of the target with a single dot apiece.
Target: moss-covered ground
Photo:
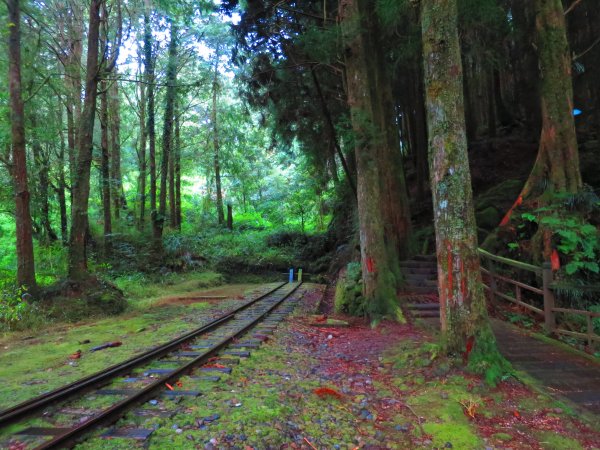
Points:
(38, 361)
(319, 387)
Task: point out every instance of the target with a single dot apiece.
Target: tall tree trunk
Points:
(25, 259)
(172, 212)
(116, 178)
(42, 165)
(463, 310)
(178, 172)
(167, 137)
(151, 124)
(61, 187)
(216, 159)
(105, 181)
(74, 43)
(330, 127)
(379, 281)
(78, 270)
(142, 156)
(556, 168)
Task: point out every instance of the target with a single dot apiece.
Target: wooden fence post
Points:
(549, 304)
(493, 284)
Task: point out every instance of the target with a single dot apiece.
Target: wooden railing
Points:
(545, 289)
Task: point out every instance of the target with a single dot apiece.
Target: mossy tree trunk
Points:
(375, 183)
(149, 78)
(167, 137)
(116, 177)
(105, 169)
(78, 269)
(556, 168)
(142, 151)
(462, 301)
(216, 143)
(25, 258)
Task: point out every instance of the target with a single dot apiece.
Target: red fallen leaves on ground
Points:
(214, 366)
(327, 392)
(75, 355)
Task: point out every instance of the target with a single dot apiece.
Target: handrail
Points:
(547, 292)
(510, 262)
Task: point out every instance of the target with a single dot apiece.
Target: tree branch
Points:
(572, 7)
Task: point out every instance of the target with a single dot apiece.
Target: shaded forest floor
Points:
(311, 386)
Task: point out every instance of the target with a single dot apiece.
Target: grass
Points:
(31, 365)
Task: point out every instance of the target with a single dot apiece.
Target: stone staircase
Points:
(420, 294)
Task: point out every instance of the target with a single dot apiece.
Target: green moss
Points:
(505, 437)
(550, 440)
(460, 436)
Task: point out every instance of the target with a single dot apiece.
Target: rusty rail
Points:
(545, 289)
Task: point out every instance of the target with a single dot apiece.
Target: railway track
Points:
(231, 334)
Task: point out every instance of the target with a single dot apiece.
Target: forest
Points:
(152, 148)
(146, 139)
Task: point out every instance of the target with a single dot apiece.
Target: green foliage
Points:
(12, 303)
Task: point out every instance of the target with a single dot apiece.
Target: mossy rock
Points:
(73, 301)
(500, 197)
(489, 218)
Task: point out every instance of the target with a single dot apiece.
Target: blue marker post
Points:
(291, 275)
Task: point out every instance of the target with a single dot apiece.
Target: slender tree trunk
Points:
(42, 165)
(116, 178)
(172, 212)
(329, 125)
(25, 259)
(230, 217)
(142, 156)
(105, 181)
(61, 188)
(462, 301)
(178, 218)
(216, 160)
(167, 137)
(151, 124)
(78, 270)
(379, 281)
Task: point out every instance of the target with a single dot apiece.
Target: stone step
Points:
(430, 258)
(425, 313)
(420, 283)
(419, 270)
(418, 264)
(420, 276)
(421, 290)
(423, 306)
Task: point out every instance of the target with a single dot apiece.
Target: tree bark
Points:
(105, 170)
(379, 280)
(556, 168)
(167, 137)
(42, 165)
(116, 178)
(216, 159)
(142, 155)
(78, 270)
(178, 172)
(172, 212)
(230, 217)
(151, 124)
(25, 258)
(462, 302)
(61, 187)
